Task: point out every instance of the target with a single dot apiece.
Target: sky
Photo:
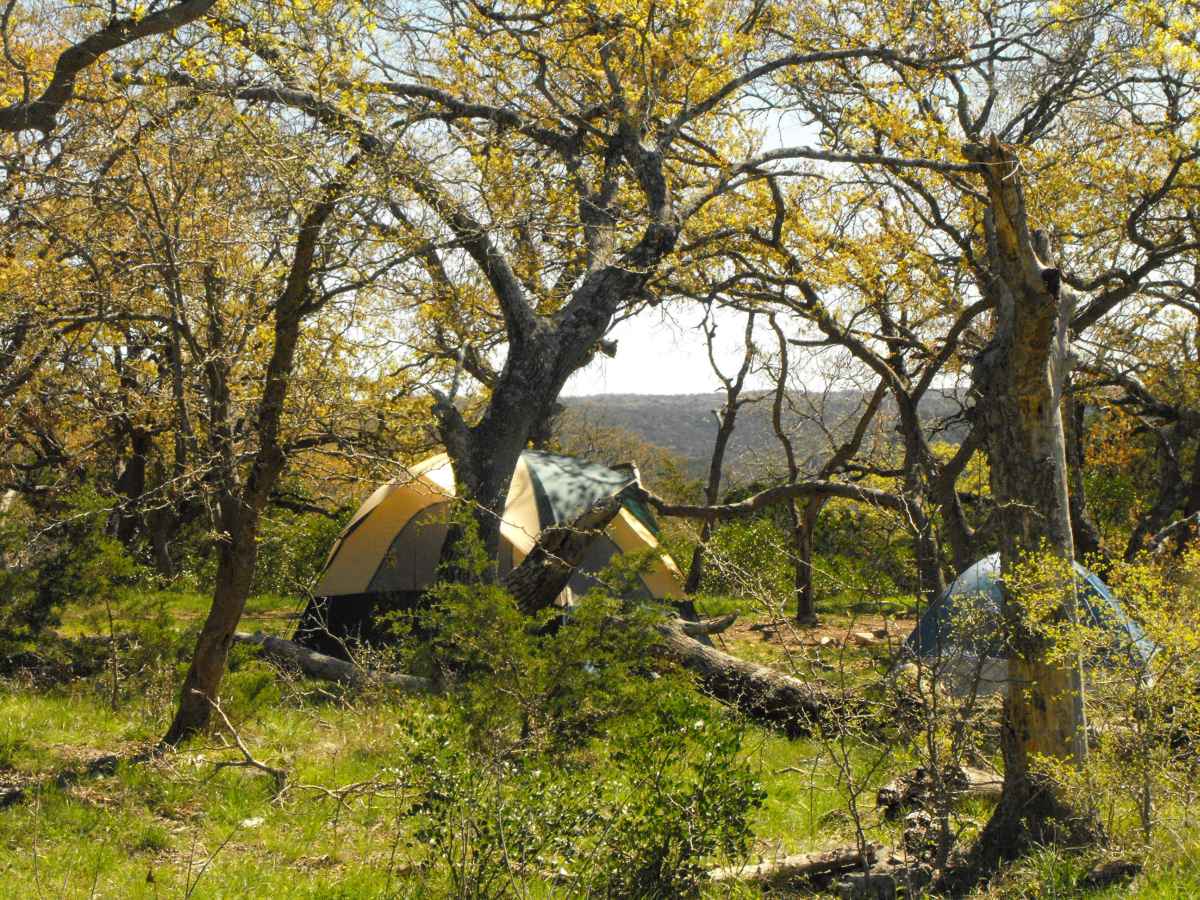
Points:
(664, 352)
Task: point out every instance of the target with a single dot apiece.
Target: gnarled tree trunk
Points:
(1018, 381)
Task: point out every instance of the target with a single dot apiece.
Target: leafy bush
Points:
(79, 563)
(520, 686)
(750, 557)
(687, 796)
(485, 825)
(292, 547)
(643, 822)
(518, 782)
(1144, 715)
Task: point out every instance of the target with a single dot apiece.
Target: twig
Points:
(279, 776)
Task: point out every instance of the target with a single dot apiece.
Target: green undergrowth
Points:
(385, 792)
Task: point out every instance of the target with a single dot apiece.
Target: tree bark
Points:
(919, 468)
(543, 574)
(804, 526)
(1018, 382)
(762, 693)
(964, 541)
(235, 572)
(784, 872)
(131, 486)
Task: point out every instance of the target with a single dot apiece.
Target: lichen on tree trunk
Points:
(1018, 383)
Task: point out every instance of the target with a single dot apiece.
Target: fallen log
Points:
(915, 788)
(707, 627)
(762, 693)
(788, 870)
(329, 668)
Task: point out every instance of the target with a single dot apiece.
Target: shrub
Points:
(518, 783)
(687, 796)
(644, 822)
(80, 563)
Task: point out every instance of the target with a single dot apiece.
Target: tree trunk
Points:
(485, 455)
(726, 421)
(804, 528)
(919, 467)
(543, 574)
(162, 524)
(235, 572)
(929, 558)
(786, 871)
(241, 510)
(712, 489)
(1191, 506)
(131, 486)
(1083, 527)
(329, 668)
(1172, 492)
(1018, 381)
(762, 693)
(963, 540)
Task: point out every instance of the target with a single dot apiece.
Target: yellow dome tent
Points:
(387, 555)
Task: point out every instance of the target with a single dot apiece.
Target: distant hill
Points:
(686, 425)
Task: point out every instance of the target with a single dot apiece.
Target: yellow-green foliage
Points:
(1143, 714)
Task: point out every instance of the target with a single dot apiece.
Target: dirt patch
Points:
(866, 631)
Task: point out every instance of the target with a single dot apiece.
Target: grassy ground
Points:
(187, 826)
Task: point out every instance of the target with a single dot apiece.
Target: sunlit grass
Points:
(180, 823)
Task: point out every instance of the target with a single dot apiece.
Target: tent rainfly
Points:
(959, 634)
(387, 555)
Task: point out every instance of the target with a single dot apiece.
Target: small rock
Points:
(1110, 872)
(873, 886)
(863, 638)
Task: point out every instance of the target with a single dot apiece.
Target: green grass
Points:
(182, 823)
(166, 818)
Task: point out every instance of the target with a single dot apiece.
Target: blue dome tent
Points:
(962, 627)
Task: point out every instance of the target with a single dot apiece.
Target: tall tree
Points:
(566, 157)
(726, 418)
(1089, 132)
(1020, 380)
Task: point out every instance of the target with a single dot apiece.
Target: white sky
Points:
(665, 353)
